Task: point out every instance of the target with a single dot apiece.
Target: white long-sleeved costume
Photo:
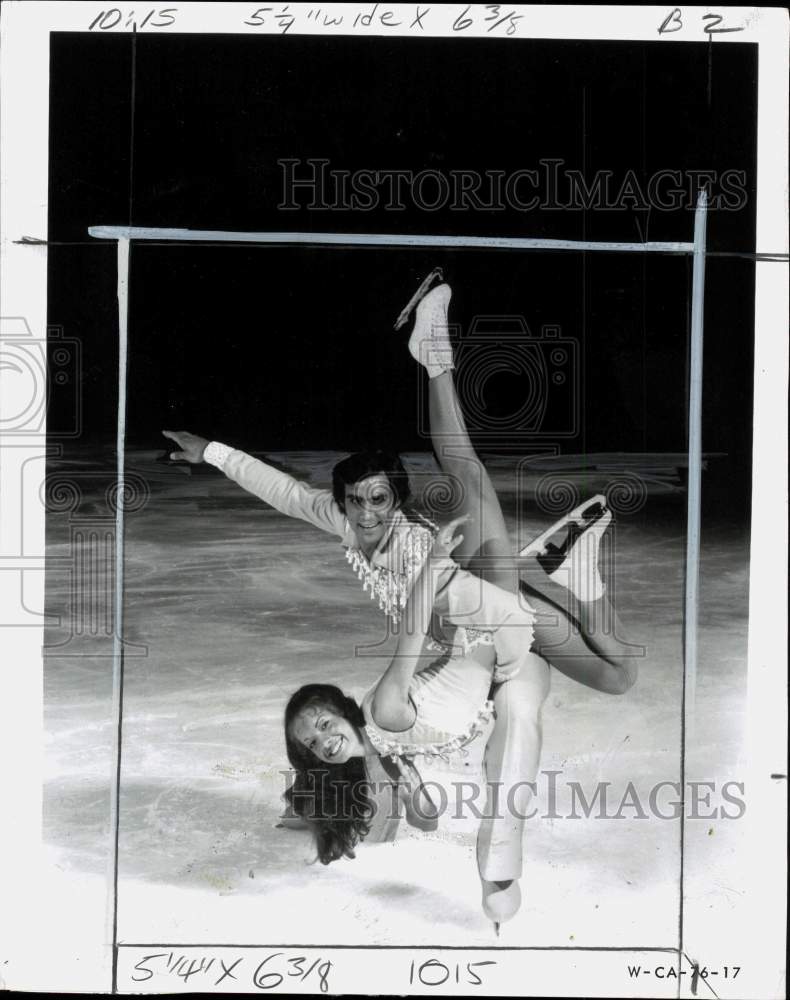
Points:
(390, 572)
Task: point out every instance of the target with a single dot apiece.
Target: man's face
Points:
(327, 735)
(370, 504)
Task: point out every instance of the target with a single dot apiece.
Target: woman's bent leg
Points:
(586, 645)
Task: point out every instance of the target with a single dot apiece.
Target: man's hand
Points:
(192, 446)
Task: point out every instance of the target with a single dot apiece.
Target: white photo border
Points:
(34, 928)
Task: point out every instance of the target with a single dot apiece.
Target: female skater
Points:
(438, 709)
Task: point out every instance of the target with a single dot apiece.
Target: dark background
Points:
(288, 348)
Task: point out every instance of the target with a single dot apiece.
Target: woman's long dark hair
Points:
(334, 799)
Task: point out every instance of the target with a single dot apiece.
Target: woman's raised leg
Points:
(485, 549)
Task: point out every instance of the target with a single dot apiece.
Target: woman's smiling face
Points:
(327, 735)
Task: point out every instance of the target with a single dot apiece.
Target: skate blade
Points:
(539, 545)
(436, 275)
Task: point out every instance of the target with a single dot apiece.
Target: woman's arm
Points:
(391, 707)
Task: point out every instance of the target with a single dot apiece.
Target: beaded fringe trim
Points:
(390, 588)
(458, 744)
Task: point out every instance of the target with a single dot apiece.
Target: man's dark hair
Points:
(362, 464)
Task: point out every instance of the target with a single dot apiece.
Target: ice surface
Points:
(230, 606)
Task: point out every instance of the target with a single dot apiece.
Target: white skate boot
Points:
(574, 563)
(430, 340)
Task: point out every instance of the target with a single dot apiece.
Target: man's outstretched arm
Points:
(282, 491)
